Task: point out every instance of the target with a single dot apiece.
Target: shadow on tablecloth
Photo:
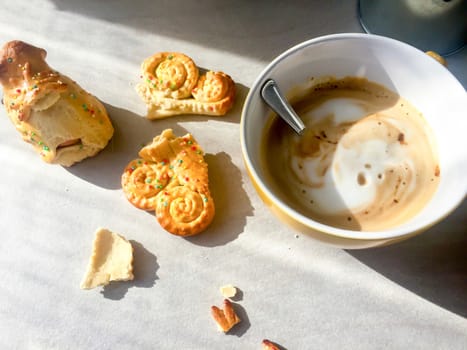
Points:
(432, 265)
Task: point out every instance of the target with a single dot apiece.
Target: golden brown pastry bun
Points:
(172, 85)
(64, 123)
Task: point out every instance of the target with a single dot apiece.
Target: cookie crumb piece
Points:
(228, 291)
(111, 260)
(225, 318)
(268, 345)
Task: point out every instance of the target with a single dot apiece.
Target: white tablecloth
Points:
(299, 293)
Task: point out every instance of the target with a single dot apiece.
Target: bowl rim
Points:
(387, 234)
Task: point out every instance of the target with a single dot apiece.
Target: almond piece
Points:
(225, 318)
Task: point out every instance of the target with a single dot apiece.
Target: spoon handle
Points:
(276, 101)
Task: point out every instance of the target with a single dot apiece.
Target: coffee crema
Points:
(367, 160)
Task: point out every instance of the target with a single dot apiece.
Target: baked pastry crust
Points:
(225, 318)
(268, 345)
(142, 180)
(170, 74)
(172, 85)
(171, 177)
(63, 123)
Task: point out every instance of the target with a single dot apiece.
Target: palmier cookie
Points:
(142, 180)
(170, 74)
(212, 93)
(184, 210)
(215, 91)
(182, 200)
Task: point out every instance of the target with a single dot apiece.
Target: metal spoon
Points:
(276, 101)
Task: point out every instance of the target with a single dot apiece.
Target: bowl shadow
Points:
(432, 265)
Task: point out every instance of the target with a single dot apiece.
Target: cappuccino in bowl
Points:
(366, 161)
(384, 153)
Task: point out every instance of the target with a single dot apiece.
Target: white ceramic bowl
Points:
(415, 76)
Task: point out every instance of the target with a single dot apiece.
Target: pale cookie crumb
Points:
(228, 291)
(111, 260)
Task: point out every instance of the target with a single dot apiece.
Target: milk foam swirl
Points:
(365, 162)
